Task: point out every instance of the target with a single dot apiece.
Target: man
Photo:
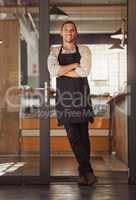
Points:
(70, 64)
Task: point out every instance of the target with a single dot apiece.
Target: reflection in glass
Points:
(19, 99)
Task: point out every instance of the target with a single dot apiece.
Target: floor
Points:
(108, 169)
(60, 165)
(112, 182)
(68, 191)
(100, 163)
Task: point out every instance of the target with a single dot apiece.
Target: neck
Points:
(68, 46)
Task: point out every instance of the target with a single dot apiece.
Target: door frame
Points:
(44, 77)
(131, 81)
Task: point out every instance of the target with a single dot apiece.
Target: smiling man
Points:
(70, 64)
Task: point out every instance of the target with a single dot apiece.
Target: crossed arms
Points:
(71, 70)
(68, 70)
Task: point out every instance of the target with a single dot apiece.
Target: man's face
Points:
(69, 33)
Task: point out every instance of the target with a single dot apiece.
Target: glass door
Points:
(24, 123)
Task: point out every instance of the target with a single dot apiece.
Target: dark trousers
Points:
(78, 136)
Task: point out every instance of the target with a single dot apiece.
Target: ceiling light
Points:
(1, 41)
(57, 13)
(121, 34)
(116, 46)
(118, 35)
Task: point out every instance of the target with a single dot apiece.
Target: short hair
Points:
(68, 22)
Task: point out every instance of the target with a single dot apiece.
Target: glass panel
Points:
(19, 98)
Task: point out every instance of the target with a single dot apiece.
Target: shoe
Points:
(82, 181)
(91, 179)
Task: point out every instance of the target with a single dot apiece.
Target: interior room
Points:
(102, 26)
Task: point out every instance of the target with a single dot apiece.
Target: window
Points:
(109, 69)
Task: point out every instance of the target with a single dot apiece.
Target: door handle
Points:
(45, 89)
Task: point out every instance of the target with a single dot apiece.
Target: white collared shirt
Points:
(85, 62)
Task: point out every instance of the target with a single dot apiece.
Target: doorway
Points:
(107, 79)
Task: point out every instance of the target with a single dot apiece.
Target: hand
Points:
(75, 65)
(67, 68)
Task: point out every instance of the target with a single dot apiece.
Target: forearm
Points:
(67, 68)
(73, 74)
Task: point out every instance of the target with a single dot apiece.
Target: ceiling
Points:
(20, 2)
(90, 16)
(84, 2)
(64, 2)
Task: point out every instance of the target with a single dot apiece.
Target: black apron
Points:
(73, 102)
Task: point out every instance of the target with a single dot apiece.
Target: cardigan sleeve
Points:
(85, 62)
(53, 64)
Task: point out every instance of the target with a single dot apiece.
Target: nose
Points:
(69, 31)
